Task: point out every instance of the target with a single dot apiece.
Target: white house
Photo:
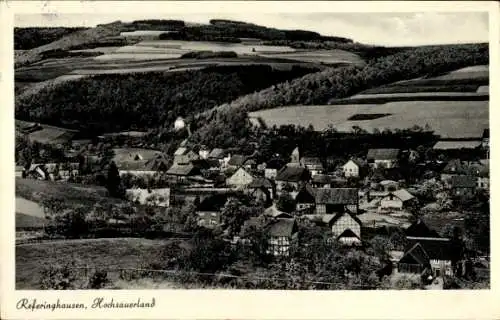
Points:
(396, 200)
(383, 158)
(241, 178)
(353, 168)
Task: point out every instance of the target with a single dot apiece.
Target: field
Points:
(72, 194)
(165, 55)
(111, 253)
(451, 119)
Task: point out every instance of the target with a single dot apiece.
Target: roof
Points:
(181, 169)
(293, 174)
(19, 168)
(217, 153)
(403, 195)
(272, 211)
(311, 161)
(383, 154)
(206, 163)
(237, 160)
(213, 203)
(420, 229)
(275, 163)
(415, 253)
(282, 227)
(134, 154)
(436, 248)
(260, 182)
(305, 194)
(463, 181)
(181, 151)
(386, 182)
(296, 150)
(450, 145)
(322, 179)
(336, 195)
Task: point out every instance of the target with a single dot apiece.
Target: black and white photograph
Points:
(270, 151)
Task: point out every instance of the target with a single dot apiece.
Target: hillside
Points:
(147, 100)
(334, 83)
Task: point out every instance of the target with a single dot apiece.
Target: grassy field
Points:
(111, 253)
(452, 119)
(73, 194)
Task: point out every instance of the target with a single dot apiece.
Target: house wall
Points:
(303, 206)
(391, 202)
(281, 184)
(410, 268)
(281, 246)
(351, 169)
(441, 266)
(459, 192)
(352, 208)
(19, 174)
(346, 222)
(137, 173)
(239, 179)
(384, 163)
(270, 173)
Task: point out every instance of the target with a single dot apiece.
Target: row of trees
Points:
(147, 100)
(32, 37)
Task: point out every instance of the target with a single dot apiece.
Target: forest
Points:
(228, 124)
(29, 38)
(146, 100)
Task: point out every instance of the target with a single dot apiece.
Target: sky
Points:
(418, 28)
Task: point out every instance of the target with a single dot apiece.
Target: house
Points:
(140, 167)
(282, 237)
(203, 152)
(414, 260)
(183, 171)
(184, 155)
(290, 176)
(383, 158)
(134, 154)
(389, 185)
(396, 200)
(236, 161)
(53, 171)
(354, 168)
(420, 229)
(217, 153)
(212, 165)
(273, 212)
(313, 164)
(336, 200)
(305, 198)
(153, 197)
(442, 253)
(462, 186)
(321, 181)
(209, 210)
(272, 167)
(346, 227)
(240, 179)
(261, 189)
(479, 170)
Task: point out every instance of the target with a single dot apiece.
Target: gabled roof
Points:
(217, 153)
(272, 211)
(237, 160)
(403, 195)
(436, 248)
(359, 162)
(282, 227)
(456, 145)
(383, 154)
(336, 195)
(463, 182)
(420, 229)
(306, 193)
(322, 179)
(181, 169)
(293, 174)
(181, 151)
(415, 254)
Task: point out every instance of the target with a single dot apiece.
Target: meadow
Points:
(31, 259)
(451, 119)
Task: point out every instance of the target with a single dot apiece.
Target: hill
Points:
(29, 38)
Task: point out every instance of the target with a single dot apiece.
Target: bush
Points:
(98, 280)
(59, 277)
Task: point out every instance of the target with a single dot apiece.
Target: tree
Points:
(113, 182)
(286, 203)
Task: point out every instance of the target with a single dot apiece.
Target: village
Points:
(234, 195)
